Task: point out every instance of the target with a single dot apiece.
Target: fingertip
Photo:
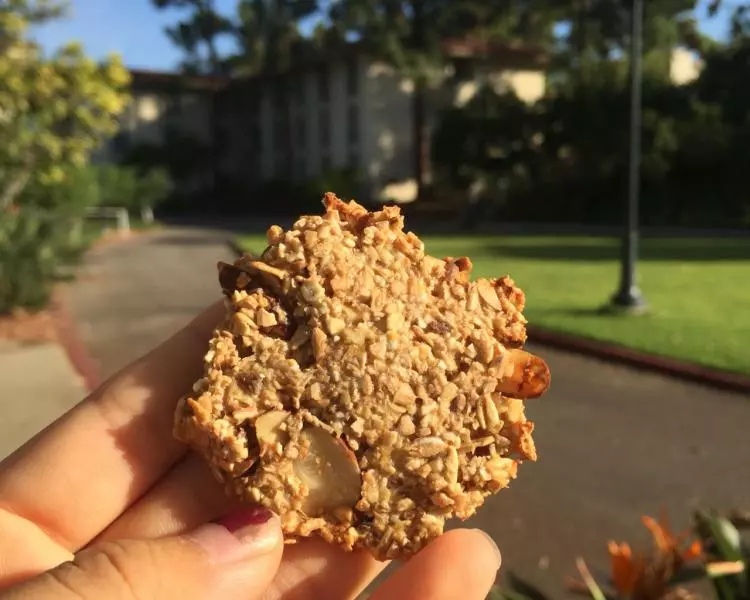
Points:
(460, 563)
(494, 550)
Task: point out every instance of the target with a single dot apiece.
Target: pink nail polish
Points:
(245, 533)
(251, 515)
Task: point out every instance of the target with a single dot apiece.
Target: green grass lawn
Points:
(698, 290)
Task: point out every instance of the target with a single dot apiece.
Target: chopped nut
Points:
(404, 396)
(268, 428)
(528, 375)
(338, 283)
(265, 318)
(449, 392)
(406, 426)
(393, 322)
(335, 325)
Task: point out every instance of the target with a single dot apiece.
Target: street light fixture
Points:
(629, 297)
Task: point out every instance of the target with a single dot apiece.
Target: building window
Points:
(324, 85)
(325, 161)
(299, 165)
(324, 127)
(254, 136)
(281, 166)
(122, 143)
(299, 90)
(353, 159)
(353, 123)
(300, 132)
(352, 77)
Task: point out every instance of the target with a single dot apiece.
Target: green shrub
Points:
(565, 159)
(43, 236)
(118, 186)
(134, 189)
(154, 187)
(35, 248)
(283, 197)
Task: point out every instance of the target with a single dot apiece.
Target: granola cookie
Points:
(362, 390)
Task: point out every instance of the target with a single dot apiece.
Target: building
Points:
(684, 66)
(344, 110)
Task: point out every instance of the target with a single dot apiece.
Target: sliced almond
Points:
(514, 411)
(267, 269)
(428, 447)
(491, 415)
(488, 294)
(300, 337)
(240, 275)
(268, 428)
(527, 375)
(330, 472)
(319, 343)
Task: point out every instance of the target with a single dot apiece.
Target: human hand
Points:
(105, 504)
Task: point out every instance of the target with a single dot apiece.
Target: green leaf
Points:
(723, 539)
(525, 588)
(723, 534)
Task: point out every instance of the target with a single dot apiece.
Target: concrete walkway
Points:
(613, 443)
(39, 385)
(132, 296)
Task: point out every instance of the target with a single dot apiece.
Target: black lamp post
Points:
(629, 297)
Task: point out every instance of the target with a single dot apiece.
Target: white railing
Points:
(111, 212)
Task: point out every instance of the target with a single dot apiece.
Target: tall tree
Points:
(410, 34)
(55, 110)
(599, 30)
(198, 34)
(268, 34)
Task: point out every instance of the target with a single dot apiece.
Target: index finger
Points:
(109, 449)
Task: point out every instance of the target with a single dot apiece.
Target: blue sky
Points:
(135, 29)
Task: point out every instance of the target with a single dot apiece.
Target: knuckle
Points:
(68, 581)
(127, 567)
(113, 569)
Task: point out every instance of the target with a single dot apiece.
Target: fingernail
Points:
(492, 543)
(243, 534)
(251, 515)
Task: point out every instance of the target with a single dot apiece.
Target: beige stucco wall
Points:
(383, 150)
(529, 86)
(685, 66)
(387, 147)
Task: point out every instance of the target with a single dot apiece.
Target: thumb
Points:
(235, 559)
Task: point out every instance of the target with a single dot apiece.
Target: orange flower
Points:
(669, 544)
(625, 570)
(642, 577)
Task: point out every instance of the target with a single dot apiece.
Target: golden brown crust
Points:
(362, 390)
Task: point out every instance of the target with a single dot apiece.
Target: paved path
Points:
(613, 443)
(133, 295)
(32, 399)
